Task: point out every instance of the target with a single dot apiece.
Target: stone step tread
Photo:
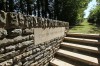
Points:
(82, 41)
(77, 56)
(81, 35)
(80, 46)
(58, 62)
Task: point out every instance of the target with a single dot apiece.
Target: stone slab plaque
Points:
(42, 35)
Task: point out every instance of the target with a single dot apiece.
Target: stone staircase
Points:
(78, 50)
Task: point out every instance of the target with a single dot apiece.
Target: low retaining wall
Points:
(17, 40)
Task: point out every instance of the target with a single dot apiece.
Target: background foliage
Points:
(94, 16)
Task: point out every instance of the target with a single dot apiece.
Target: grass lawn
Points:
(85, 27)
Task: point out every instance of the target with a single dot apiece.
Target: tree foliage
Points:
(70, 10)
(94, 16)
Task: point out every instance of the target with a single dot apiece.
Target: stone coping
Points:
(14, 20)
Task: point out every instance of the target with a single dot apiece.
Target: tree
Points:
(38, 7)
(70, 10)
(94, 16)
(3, 5)
(42, 8)
(29, 6)
(11, 5)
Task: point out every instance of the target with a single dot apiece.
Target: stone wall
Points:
(17, 46)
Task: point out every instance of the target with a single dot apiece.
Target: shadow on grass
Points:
(80, 26)
(96, 29)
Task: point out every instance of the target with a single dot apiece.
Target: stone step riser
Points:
(87, 36)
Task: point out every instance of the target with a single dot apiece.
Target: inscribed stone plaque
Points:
(42, 35)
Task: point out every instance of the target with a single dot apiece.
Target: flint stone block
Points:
(31, 57)
(15, 32)
(48, 22)
(20, 39)
(24, 44)
(6, 42)
(46, 53)
(3, 33)
(12, 20)
(41, 61)
(46, 64)
(29, 48)
(34, 21)
(40, 22)
(28, 63)
(34, 64)
(39, 57)
(28, 31)
(15, 65)
(2, 19)
(36, 54)
(42, 47)
(7, 63)
(6, 56)
(26, 23)
(46, 60)
(2, 50)
(21, 56)
(21, 20)
(9, 48)
(38, 49)
(47, 49)
(17, 58)
(34, 51)
(45, 22)
(19, 45)
(31, 37)
(19, 63)
(27, 53)
(30, 20)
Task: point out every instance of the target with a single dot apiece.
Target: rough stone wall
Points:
(17, 46)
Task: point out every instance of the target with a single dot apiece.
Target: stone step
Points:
(80, 35)
(58, 62)
(90, 61)
(88, 50)
(88, 42)
(81, 46)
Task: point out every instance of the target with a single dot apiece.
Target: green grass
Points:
(85, 27)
